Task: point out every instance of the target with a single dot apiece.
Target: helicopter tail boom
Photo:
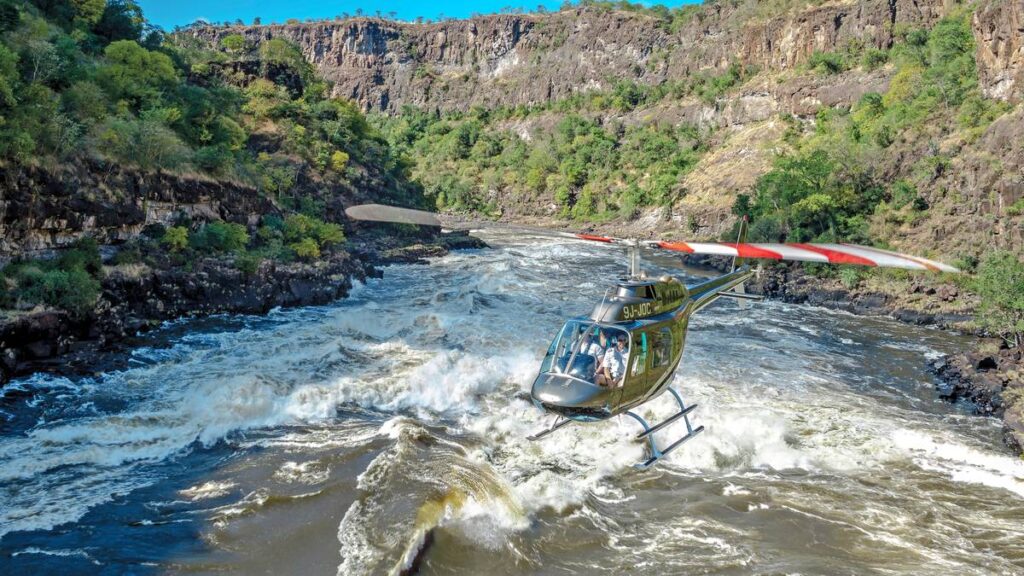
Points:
(707, 292)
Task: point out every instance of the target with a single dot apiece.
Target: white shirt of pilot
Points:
(615, 362)
(593, 349)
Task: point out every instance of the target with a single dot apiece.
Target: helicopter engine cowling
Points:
(572, 398)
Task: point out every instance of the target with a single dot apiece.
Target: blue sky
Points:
(171, 13)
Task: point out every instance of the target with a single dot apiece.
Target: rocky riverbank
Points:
(990, 377)
(138, 297)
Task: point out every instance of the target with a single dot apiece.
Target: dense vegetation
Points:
(1000, 284)
(90, 81)
(90, 78)
(592, 170)
(70, 282)
(830, 186)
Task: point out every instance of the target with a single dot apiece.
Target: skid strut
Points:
(558, 424)
(649, 431)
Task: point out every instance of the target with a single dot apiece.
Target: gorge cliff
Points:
(523, 59)
(535, 61)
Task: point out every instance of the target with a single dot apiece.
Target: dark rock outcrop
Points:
(137, 298)
(791, 284)
(993, 382)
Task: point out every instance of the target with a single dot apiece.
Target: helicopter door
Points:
(661, 354)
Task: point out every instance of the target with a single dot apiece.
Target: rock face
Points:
(512, 59)
(972, 201)
(999, 33)
(45, 208)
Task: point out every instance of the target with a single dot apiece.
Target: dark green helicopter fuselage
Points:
(655, 314)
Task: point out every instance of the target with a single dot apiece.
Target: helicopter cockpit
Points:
(569, 383)
(584, 344)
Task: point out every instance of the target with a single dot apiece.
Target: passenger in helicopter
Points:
(594, 350)
(613, 367)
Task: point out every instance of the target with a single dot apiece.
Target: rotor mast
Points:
(634, 260)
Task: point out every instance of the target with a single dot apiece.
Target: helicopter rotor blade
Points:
(821, 253)
(396, 215)
(392, 214)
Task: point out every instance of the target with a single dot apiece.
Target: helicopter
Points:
(626, 351)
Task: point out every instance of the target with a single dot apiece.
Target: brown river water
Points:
(385, 434)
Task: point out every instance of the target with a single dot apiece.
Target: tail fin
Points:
(742, 239)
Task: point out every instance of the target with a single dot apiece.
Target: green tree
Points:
(306, 249)
(146, 142)
(86, 101)
(339, 160)
(89, 11)
(1000, 285)
(10, 16)
(175, 238)
(279, 52)
(827, 62)
(328, 233)
(233, 43)
(8, 79)
(121, 20)
(217, 237)
(136, 74)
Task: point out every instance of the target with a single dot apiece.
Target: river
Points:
(386, 433)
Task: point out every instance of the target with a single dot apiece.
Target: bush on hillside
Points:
(1000, 285)
(69, 282)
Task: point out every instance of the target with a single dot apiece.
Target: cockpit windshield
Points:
(591, 348)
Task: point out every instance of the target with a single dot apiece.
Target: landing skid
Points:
(649, 431)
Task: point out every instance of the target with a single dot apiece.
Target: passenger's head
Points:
(621, 341)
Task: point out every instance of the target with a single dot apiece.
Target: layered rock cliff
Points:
(515, 59)
(44, 207)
